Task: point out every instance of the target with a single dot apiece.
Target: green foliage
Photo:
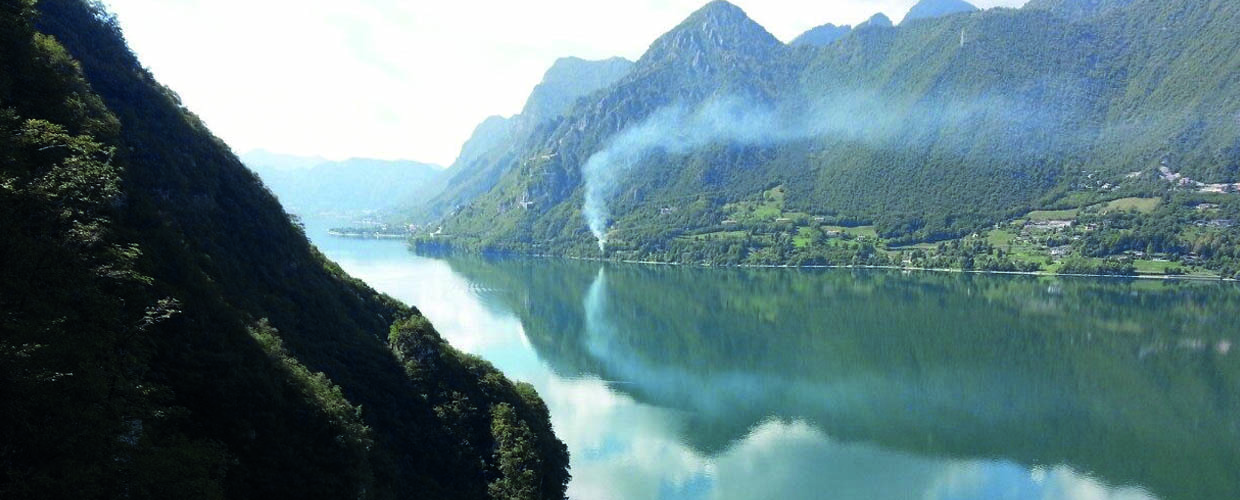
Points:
(515, 455)
(484, 414)
(1107, 267)
(928, 139)
(320, 393)
(138, 263)
(82, 416)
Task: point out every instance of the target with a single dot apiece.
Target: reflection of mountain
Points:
(1128, 381)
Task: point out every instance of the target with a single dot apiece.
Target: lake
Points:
(685, 383)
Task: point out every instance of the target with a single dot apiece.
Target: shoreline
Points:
(1159, 277)
(918, 269)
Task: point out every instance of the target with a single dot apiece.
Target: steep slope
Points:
(493, 132)
(183, 339)
(1178, 105)
(821, 36)
(929, 131)
(569, 79)
(1078, 10)
(716, 53)
(497, 143)
(929, 9)
(353, 186)
(879, 20)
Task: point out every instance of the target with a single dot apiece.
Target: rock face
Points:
(929, 9)
(569, 79)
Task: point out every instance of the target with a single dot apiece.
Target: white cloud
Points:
(401, 79)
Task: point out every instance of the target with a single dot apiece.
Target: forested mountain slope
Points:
(498, 143)
(927, 9)
(926, 132)
(169, 333)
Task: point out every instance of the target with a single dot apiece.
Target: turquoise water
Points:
(685, 383)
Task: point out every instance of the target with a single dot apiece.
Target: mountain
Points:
(723, 145)
(879, 20)
(569, 79)
(169, 332)
(1078, 10)
(352, 186)
(821, 36)
(929, 9)
(492, 148)
(276, 161)
(493, 132)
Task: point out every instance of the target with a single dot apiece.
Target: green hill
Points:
(927, 132)
(169, 333)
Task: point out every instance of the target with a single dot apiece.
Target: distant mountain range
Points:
(310, 186)
(315, 185)
(951, 122)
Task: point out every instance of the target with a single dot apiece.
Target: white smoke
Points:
(851, 116)
(674, 129)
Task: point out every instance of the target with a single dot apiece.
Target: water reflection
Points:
(689, 383)
(1018, 381)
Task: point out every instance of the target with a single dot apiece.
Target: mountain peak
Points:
(719, 27)
(720, 11)
(879, 20)
(821, 36)
(928, 9)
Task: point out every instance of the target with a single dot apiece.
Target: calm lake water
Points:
(684, 383)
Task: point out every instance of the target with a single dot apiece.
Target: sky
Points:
(403, 79)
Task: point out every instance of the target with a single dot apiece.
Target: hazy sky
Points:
(403, 79)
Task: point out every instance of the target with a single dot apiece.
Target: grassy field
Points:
(1143, 205)
(1041, 215)
(1152, 266)
(1001, 238)
(804, 237)
(766, 209)
(720, 235)
(867, 231)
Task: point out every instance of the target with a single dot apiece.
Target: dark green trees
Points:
(167, 332)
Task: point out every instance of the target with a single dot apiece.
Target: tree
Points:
(516, 456)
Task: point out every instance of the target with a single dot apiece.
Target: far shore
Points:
(1168, 277)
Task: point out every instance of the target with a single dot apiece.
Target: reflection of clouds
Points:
(620, 448)
(1062, 482)
(443, 296)
(795, 460)
(623, 449)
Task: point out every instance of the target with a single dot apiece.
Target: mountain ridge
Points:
(929, 9)
(821, 36)
(353, 186)
(927, 132)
